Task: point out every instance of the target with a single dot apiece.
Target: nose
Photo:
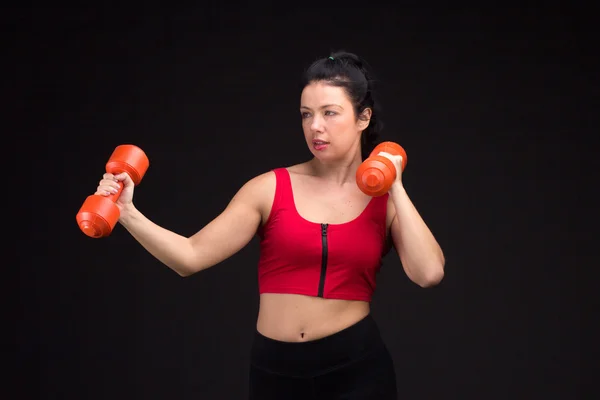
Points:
(316, 124)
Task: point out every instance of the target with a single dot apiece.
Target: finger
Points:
(386, 155)
(108, 175)
(125, 178)
(122, 176)
(396, 159)
(110, 186)
(105, 190)
(109, 183)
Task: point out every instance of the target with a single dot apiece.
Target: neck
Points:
(338, 172)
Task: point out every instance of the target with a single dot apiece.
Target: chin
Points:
(322, 155)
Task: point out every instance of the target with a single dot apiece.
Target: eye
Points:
(304, 115)
(330, 113)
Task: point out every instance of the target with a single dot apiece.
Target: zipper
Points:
(323, 259)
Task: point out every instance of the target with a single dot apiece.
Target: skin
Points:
(324, 190)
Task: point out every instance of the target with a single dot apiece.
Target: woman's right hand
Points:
(109, 185)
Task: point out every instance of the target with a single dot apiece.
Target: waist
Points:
(311, 358)
(299, 318)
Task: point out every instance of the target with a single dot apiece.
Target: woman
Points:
(322, 241)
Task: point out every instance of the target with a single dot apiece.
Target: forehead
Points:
(319, 93)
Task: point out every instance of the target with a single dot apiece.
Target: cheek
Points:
(306, 128)
(345, 129)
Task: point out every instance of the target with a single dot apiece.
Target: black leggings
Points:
(351, 364)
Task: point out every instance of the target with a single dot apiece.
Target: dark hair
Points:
(349, 71)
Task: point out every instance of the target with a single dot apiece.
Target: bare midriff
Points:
(299, 318)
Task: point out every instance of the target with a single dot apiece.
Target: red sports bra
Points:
(333, 261)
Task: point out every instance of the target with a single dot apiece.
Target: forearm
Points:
(419, 252)
(172, 249)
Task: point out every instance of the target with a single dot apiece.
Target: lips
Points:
(320, 144)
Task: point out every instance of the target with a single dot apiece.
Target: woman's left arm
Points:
(419, 252)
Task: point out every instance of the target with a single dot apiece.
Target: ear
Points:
(364, 118)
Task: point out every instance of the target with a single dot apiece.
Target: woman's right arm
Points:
(224, 236)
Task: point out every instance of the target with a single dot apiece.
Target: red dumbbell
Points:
(98, 215)
(377, 173)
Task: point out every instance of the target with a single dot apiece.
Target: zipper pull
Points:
(324, 229)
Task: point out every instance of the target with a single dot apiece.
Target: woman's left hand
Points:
(397, 161)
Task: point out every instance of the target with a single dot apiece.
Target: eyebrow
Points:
(324, 106)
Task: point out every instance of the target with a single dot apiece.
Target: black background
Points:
(489, 105)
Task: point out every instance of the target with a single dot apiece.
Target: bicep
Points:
(391, 223)
(231, 230)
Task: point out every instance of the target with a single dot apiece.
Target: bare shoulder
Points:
(260, 190)
(300, 169)
(259, 187)
(262, 187)
(258, 193)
